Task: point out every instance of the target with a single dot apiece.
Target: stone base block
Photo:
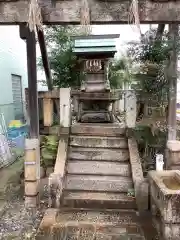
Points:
(31, 188)
(55, 189)
(47, 223)
(167, 231)
(32, 201)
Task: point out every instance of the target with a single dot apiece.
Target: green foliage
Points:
(49, 146)
(152, 55)
(121, 72)
(63, 62)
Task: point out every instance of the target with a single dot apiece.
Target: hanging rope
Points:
(134, 15)
(35, 18)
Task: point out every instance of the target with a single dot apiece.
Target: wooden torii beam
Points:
(101, 11)
(45, 60)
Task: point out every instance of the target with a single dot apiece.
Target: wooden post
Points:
(32, 146)
(32, 79)
(172, 78)
(65, 107)
(47, 112)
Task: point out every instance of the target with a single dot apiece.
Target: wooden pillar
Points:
(172, 78)
(32, 146)
(48, 112)
(29, 36)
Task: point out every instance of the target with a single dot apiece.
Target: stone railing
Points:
(140, 183)
(56, 179)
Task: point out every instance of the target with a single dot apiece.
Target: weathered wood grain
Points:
(101, 12)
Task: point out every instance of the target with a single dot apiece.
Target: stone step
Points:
(107, 129)
(98, 154)
(95, 87)
(95, 141)
(109, 217)
(95, 81)
(103, 224)
(99, 168)
(95, 117)
(84, 199)
(82, 224)
(98, 183)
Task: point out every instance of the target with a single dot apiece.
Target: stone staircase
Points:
(97, 181)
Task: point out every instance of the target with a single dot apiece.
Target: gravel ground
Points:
(17, 222)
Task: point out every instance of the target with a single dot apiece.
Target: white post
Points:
(159, 162)
(65, 107)
(130, 108)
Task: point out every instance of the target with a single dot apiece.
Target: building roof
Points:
(95, 44)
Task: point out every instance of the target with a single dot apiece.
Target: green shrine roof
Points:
(95, 44)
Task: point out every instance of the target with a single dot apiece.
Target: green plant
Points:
(49, 151)
(65, 67)
(131, 193)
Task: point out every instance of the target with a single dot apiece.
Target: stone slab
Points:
(98, 200)
(98, 154)
(98, 129)
(99, 168)
(93, 141)
(98, 183)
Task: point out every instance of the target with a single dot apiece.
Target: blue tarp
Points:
(17, 135)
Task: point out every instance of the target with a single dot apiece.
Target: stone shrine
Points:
(95, 96)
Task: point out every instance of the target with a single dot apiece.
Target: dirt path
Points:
(16, 223)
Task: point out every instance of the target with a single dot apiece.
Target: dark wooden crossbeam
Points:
(101, 12)
(45, 60)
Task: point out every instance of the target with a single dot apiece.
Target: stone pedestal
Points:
(165, 203)
(173, 155)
